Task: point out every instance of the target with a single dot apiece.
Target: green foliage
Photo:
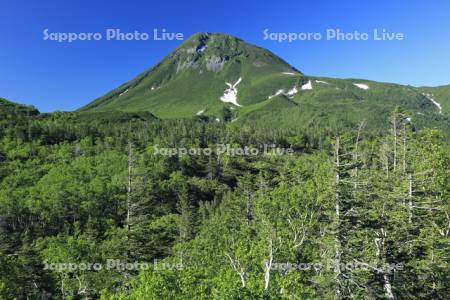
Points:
(85, 188)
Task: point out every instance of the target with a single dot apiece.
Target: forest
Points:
(88, 210)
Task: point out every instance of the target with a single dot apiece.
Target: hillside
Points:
(8, 108)
(227, 79)
(439, 95)
(193, 78)
(14, 113)
(343, 103)
(84, 189)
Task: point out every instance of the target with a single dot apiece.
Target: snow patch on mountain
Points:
(202, 48)
(320, 81)
(230, 94)
(361, 86)
(289, 93)
(292, 91)
(307, 86)
(124, 92)
(430, 97)
(279, 92)
(290, 73)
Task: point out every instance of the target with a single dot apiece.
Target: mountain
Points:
(224, 78)
(10, 111)
(12, 108)
(439, 95)
(14, 115)
(194, 78)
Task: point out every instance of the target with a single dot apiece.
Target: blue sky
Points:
(64, 76)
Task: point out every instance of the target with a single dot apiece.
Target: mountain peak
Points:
(222, 45)
(201, 36)
(199, 75)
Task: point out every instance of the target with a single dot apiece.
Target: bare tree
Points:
(337, 241)
(239, 268)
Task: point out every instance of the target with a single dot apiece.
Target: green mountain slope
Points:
(227, 79)
(440, 95)
(341, 103)
(14, 112)
(8, 108)
(193, 78)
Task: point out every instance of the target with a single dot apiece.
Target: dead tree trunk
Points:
(235, 264)
(394, 125)
(358, 137)
(380, 243)
(129, 186)
(268, 265)
(337, 241)
(410, 199)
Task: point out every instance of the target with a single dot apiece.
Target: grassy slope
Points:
(182, 84)
(11, 110)
(441, 94)
(6, 105)
(340, 104)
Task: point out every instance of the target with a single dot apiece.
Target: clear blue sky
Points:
(64, 76)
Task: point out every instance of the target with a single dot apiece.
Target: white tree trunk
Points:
(129, 184)
(268, 266)
(410, 199)
(395, 140)
(381, 253)
(387, 286)
(238, 268)
(337, 244)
